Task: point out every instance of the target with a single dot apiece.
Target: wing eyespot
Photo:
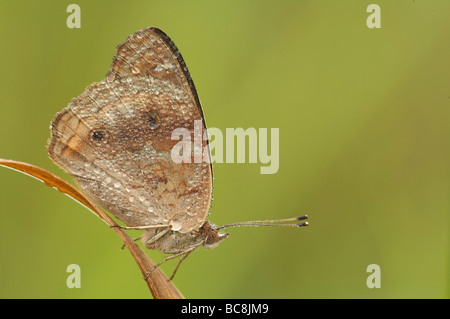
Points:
(99, 136)
(153, 120)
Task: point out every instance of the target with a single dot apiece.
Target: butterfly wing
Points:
(115, 138)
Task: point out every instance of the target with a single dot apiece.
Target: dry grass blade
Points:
(160, 286)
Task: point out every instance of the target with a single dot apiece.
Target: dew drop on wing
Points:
(176, 225)
(110, 76)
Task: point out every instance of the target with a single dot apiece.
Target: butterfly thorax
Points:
(173, 242)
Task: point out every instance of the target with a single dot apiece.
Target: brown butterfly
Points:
(115, 140)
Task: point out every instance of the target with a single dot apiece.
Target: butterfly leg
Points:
(185, 253)
(140, 227)
(179, 263)
(134, 239)
(150, 240)
(157, 236)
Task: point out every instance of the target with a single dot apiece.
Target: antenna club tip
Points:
(303, 224)
(302, 217)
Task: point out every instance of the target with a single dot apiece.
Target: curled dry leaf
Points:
(160, 286)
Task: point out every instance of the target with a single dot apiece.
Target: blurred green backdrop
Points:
(363, 118)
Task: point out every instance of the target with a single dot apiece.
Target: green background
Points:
(364, 146)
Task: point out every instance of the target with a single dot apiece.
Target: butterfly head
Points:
(213, 236)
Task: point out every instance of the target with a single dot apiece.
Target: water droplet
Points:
(176, 225)
(116, 184)
(129, 213)
(131, 199)
(141, 198)
(139, 34)
(135, 70)
(150, 209)
(110, 76)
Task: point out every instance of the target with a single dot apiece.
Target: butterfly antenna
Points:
(271, 222)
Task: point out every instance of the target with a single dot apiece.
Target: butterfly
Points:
(115, 139)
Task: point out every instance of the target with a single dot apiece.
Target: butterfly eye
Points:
(99, 136)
